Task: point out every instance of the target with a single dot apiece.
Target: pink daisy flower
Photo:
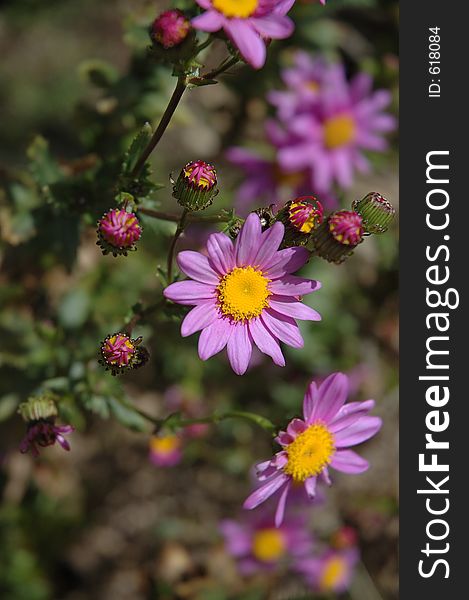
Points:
(248, 24)
(244, 294)
(329, 135)
(331, 572)
(165, 450)
(321, 439)
(258, 546)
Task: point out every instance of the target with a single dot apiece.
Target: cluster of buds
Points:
(300, 217)
(337, 237)
(196, 186)
(40, 413)
(118, 231)
(120, 353)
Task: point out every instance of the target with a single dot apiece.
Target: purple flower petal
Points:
(294, 309)
(359, 432)
(196, 266)
(247, 40)
(189, 292)
(271, 240)
(273, 26)
(310, 400)
(280, 512)
(199, 318)
(332, 394)
(284, 439)
(214, 338)
(265, 341)
(349, 413)
(237, 539)
(248, 241)
(348, 461)
(291, 285)
(207, 4)
(265, 491)
(295, 427)
(310, 486)
(239, 348)
(283, 327)
(287, 261)
(209, 21)
(282, 7)
(221, 253)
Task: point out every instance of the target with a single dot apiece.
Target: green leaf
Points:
(127, 415)
(44, 168)
(8, 406)
(99, 72)
(74, 308)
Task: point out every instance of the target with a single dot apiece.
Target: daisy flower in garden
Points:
(244, 294)
(320, 440)
(248, 24)
(256, 545)
(332, 572)
(328, 136)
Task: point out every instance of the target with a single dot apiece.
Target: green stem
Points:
(204, 45)
(162, 125)
(225, 65)
(191, 217)
(141, 314)
(174, 420)
(180, 228)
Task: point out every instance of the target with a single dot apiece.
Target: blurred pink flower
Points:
(165, 450)
(331, 572)
(329, 133)
(257, 545)
(321, 439)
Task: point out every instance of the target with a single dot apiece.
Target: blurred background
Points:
(104, 520)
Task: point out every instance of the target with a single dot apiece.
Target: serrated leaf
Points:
(139, 143)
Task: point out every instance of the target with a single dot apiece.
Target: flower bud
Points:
(120, 353)
(337, 237)
(170, 28)
(196, 186)
(300, 217)
(376, 212)
(266, 215)
(118, 231)
(40, 413)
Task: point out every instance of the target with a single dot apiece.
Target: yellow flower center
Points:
(165, 444)
(243, 293)
(287, 179)
(310, 452)
(241, 9)
(334, 571)
(268, 545)
(313, 86)
(339, 131)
